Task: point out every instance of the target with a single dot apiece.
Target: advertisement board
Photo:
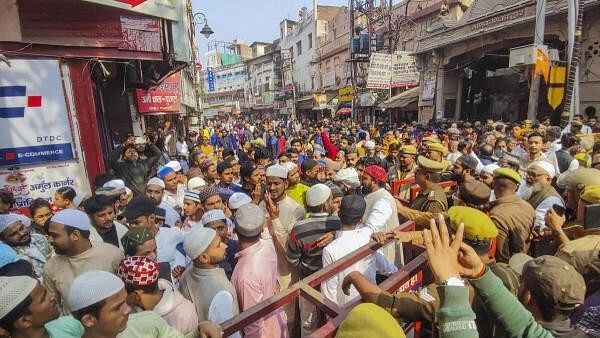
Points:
(166, 97)
(379, 75)
(27, 184)
(34, 123)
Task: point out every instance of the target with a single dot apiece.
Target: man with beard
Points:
(539, 191)
(284, 212)
(310, 171)
(155, 189)
(381, 214)
(69, 233)
(535, 144)
(209, 172)
(33, 248)
(104, 227)
(128, 165)
(463, 169)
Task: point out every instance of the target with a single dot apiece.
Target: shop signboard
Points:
(346, 94)
(30, 183)
(34, 122)
(166, 9)
(166, 97)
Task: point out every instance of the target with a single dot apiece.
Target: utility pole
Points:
(538, 41)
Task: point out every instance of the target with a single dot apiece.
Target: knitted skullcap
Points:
(14, 290)
(92, 287)
(138, 271)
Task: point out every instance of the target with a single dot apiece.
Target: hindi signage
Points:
(379, 75)
(392, 70)
(166, 97)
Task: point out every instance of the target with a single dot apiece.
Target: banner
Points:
(404, 72)
(380, 73)
(27, 184)
(164, 98)
(34, 125)
(392, 70)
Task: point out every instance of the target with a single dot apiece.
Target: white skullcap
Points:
(117, 184)
(489, 168)
(197, 241)
(369, 144)
(213, 215)
(317, 195)
(195, 183)
(249, 219)
(289, 166)
(156, 181)
(175, 165)
(171, 217)
(8, 219)
(545, 166)
(348, 176)
(73, 218)
(79, 198)
(14, 290)
(237, 199)
(92, 287)
(277, 170)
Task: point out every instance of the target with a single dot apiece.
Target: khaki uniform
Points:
(514, 218)
(424, 304)
(432, 200)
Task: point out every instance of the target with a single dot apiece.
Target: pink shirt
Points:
(255, 279)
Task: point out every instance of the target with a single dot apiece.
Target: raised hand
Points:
(443, 253)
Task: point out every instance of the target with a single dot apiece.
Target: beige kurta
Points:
(60, 270)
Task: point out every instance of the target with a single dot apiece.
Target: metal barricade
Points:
(407, 277)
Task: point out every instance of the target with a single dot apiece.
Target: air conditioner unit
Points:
(524, 55)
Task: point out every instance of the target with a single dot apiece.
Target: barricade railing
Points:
(408, 276)
(396, 185)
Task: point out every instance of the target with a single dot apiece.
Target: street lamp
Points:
(200, 19)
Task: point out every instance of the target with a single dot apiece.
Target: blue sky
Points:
(250, 20)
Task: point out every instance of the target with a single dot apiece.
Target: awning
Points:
(343, 111)
(401, 100)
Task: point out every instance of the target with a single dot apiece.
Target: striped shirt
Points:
(302, 249)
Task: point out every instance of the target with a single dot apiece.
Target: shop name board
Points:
(34, 123)
(499, 19)
(164, 98)
(346, 94)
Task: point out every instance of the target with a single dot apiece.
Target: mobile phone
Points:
(559, 209)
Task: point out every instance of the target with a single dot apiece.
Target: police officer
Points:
(405, 168)
(432, 197)
(435, 152)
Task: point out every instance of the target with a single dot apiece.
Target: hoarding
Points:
(30, 183)
(166, 97)
(34, 123)
(392, 70)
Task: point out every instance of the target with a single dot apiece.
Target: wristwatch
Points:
(453, 281)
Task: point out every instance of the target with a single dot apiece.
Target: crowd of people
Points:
(183, 233)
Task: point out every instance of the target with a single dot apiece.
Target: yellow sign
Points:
(556, 85)
(346, 94)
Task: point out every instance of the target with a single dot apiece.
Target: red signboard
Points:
(164, 98)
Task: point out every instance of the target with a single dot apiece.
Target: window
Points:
(309, 40)
(299, 47)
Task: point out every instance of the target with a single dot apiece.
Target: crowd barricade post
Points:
(396, 185)
(408, 277)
